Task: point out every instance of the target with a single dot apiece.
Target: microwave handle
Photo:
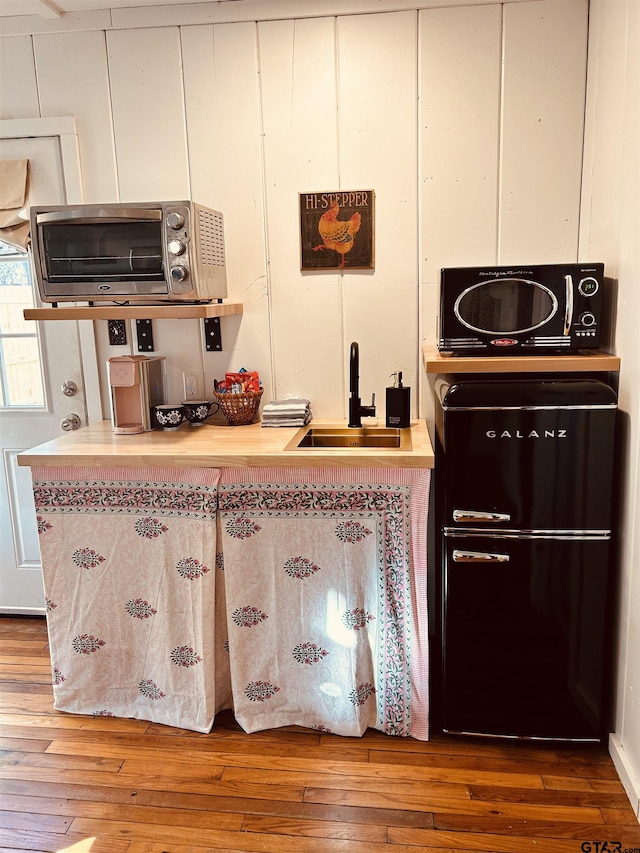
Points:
(568, 308)
(83, 216)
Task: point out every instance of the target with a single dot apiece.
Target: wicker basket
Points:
(239, 409)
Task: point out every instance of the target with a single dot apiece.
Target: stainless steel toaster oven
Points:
(170, 251)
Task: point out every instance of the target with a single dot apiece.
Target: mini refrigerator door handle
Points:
(478, 557)
(479, 515)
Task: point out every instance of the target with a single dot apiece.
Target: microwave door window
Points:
(108, 251)
(506, 306)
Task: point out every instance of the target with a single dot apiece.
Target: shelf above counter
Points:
(174, 311)
(435, 362)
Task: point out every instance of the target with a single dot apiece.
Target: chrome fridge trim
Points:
(508, 533)
(549, 408)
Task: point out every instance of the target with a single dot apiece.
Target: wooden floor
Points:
(104, 785)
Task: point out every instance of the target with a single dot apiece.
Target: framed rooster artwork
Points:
(336, 230)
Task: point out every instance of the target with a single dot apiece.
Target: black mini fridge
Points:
(526, 470)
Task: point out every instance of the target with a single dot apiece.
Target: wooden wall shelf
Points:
(174, 311)
(436, 362)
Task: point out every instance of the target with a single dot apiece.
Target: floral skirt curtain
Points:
(128, 558)
(294, 596)
(325, 583)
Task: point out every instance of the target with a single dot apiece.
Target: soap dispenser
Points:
(398, 410)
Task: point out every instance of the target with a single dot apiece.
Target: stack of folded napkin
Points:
(287, 413)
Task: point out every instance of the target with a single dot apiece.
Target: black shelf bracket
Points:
(212, 334)
(144, 331)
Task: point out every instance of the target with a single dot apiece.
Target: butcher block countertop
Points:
(213, 446)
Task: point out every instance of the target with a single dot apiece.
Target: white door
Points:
(33, 415)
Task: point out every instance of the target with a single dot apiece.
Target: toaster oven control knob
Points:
(176, 247)
(588, 286)
(587, 319)
(179, 273)
(175, 220)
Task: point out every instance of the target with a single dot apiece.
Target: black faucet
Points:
(356, 410)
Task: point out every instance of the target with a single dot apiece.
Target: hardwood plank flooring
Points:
(104, 785)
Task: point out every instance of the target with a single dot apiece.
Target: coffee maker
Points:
(137, 384)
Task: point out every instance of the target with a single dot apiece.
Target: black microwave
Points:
(520, 310)
(166, 251)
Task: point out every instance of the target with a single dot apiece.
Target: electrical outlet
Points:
(117, 333)
(192, 385)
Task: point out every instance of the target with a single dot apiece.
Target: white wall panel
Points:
(542, 130)
(298, 87)
(460, 73)
(73, 80)
(145, 68)
(18, 90)
(225, 156)
(377, 104)
(181, 342)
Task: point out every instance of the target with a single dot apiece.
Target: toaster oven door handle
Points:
(103, 214)
(568, 308)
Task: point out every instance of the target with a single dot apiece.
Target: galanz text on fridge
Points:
(547, 433)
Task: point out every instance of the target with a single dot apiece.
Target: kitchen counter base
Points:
(293, 596)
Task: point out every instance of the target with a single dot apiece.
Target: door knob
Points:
(69, 388)
(70, 422)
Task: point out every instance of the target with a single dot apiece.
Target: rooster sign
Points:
(336, 230)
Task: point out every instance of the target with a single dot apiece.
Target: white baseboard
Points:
(23, 611)
(628, 776)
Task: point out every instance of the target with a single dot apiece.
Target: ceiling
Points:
(57, 8)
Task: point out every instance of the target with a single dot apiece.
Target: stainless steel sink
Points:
(346, 438)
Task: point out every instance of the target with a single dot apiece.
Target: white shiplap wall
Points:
(466, 121)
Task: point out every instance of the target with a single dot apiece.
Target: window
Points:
(21, 383)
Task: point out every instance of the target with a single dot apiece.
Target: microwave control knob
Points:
(587, 319)
(175, 220)
(176, 247)
(588, 286)
(179, 273)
